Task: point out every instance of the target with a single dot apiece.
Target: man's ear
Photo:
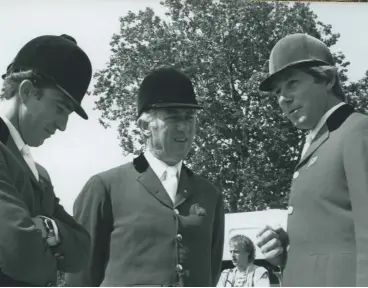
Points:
(25, 90)
(332, 76)
(143, 126)
(146, 132)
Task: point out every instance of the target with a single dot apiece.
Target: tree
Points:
(357, 93)
(244, 145)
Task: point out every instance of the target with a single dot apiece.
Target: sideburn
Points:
(154, 148)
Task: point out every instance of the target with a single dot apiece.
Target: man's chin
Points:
(180, 155)
(301, 124)
(37, 144)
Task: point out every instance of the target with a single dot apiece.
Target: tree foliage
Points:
(244, 144)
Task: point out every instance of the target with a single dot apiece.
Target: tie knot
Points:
(25, 150)
(171, 172)
(309, 138)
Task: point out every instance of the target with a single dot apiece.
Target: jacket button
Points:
(179, 268)
(296, 175)
(176, 211)
(179, 237)
(290, 210)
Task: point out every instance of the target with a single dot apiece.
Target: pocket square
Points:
(195, 209)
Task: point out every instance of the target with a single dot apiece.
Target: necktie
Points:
(26, 153)
(171, 182)
(308, 142)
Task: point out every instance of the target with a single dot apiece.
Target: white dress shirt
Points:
(160, 169)
(23, 148)
(313, 133)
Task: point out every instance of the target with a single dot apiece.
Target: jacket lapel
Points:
(321, 137)
(150, 181)
(185, 189)
(4, 132)
(8, 141)
(339, 116)
(14, 149)
(152, 184)
(336, 119)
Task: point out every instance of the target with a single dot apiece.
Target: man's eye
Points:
(292, 83)
(276, 92)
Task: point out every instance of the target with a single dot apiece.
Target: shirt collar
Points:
(158, 166)
(313, 133)
(14, 133)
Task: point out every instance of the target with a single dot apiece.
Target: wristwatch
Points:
(52, 238)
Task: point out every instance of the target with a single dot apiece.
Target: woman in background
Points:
(245, 273)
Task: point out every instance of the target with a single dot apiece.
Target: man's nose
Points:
(284, 98)
(182, 126)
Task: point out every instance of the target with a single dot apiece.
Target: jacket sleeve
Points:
(75, 244)
(92, 209)
(218, 240)
(355, 157)
(24, 254)
(75, 241)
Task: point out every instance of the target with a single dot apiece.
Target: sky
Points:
(86, 148)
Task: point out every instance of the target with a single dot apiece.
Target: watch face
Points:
(52, 235)
(48, 224)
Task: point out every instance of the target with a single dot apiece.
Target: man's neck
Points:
(242, 269)
(8, 108)
(158, 154)
(331, 103)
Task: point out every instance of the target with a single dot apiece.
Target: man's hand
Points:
(272, 241)
(40, 225)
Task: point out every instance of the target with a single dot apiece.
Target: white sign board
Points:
(249, 223)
